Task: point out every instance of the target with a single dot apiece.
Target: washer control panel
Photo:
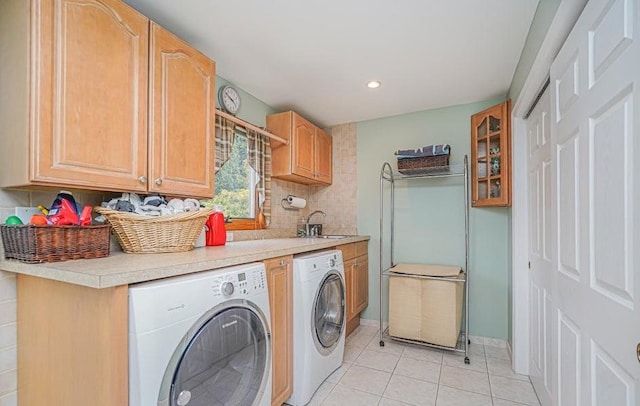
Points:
(240, 284)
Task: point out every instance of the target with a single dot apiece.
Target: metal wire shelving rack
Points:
(389, 175)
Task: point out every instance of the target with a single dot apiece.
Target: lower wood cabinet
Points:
(356, 272)
(72, 344)
(280, 284)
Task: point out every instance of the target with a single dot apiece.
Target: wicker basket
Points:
(36, 244)
(145, 234)
(426, 164)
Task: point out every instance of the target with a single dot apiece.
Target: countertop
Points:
(125, 269)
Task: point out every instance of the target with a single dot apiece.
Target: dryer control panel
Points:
(239, 285)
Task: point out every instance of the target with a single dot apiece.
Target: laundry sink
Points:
(329, 236)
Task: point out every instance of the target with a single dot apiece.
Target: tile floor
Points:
(402, 374)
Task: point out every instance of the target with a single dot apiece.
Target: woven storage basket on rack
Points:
(146, 234)
(36, 244)
(425, 164)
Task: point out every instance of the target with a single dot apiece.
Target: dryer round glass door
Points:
(329, 313)
(224, 362)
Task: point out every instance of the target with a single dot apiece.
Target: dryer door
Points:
(223, 360)
(329, 313)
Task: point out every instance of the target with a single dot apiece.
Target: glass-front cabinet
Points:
(491, 156)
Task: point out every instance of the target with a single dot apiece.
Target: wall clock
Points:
(229, 99)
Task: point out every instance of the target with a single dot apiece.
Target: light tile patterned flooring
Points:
(402, 374)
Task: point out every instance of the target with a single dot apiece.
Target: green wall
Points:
(429, 213)
(252, 109)
(539, 26)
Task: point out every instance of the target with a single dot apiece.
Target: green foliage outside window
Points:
(232, 191)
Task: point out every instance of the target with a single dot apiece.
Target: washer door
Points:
(329, 313)
(223, 360)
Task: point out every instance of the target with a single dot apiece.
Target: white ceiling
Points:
(315, 57)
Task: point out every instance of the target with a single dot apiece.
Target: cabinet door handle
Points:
(283, 262)
(142, 179)
(638, 351)
(159, 181)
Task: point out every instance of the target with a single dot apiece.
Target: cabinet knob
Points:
(159, 181)
(142, 179)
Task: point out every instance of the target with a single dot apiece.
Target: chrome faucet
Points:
(308, 219)
(311, 230)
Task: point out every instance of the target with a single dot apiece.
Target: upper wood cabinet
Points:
(280, 283)
(181, 118)
(308, 157)
(79, 111)
(491, 156)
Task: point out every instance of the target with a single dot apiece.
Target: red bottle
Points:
(216, 231)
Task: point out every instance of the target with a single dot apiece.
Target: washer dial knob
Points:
(226, 288)
(332, 262)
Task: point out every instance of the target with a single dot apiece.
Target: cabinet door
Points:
(280, 284)
(491, 157)
(303, 139)
(350, 287)
(182, 117)
(324, 157)
(361, 284)
(90, 94)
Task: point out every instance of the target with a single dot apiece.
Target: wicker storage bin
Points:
(146, 234)
(426, 310)
(36, 244)
(426, 164)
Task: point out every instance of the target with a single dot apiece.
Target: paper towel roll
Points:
(297, 202)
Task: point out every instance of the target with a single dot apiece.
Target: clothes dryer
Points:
(319, 321)
(201, 340)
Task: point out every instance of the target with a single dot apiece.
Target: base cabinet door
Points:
(280, 284)
(350, 285)
(356, 275)
(361, 284)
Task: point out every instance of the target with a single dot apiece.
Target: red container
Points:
(216, 231)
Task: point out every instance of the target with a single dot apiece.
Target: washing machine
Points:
(200, 340)
(319, 321)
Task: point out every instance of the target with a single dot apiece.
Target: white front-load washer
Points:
(319, 317)
(201, 340)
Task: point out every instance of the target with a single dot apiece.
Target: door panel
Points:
(594, 80)
(569, 369)
(542, 251)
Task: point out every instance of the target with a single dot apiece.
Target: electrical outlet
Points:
(229, 236)
(25, 213)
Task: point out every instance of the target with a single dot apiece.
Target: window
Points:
(235, 188)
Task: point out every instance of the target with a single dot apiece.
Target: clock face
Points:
(230, 99)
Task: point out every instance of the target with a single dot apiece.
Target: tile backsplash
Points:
(338, 201)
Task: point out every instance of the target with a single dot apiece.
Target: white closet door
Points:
(541, 252)
(595, 143)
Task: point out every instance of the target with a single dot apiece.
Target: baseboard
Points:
(492, 342)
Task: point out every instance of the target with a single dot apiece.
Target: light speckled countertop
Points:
(124, 269)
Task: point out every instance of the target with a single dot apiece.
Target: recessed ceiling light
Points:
(373, 84)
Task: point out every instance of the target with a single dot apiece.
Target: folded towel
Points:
(430, 150)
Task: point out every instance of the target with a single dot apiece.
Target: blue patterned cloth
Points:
(430, 150)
